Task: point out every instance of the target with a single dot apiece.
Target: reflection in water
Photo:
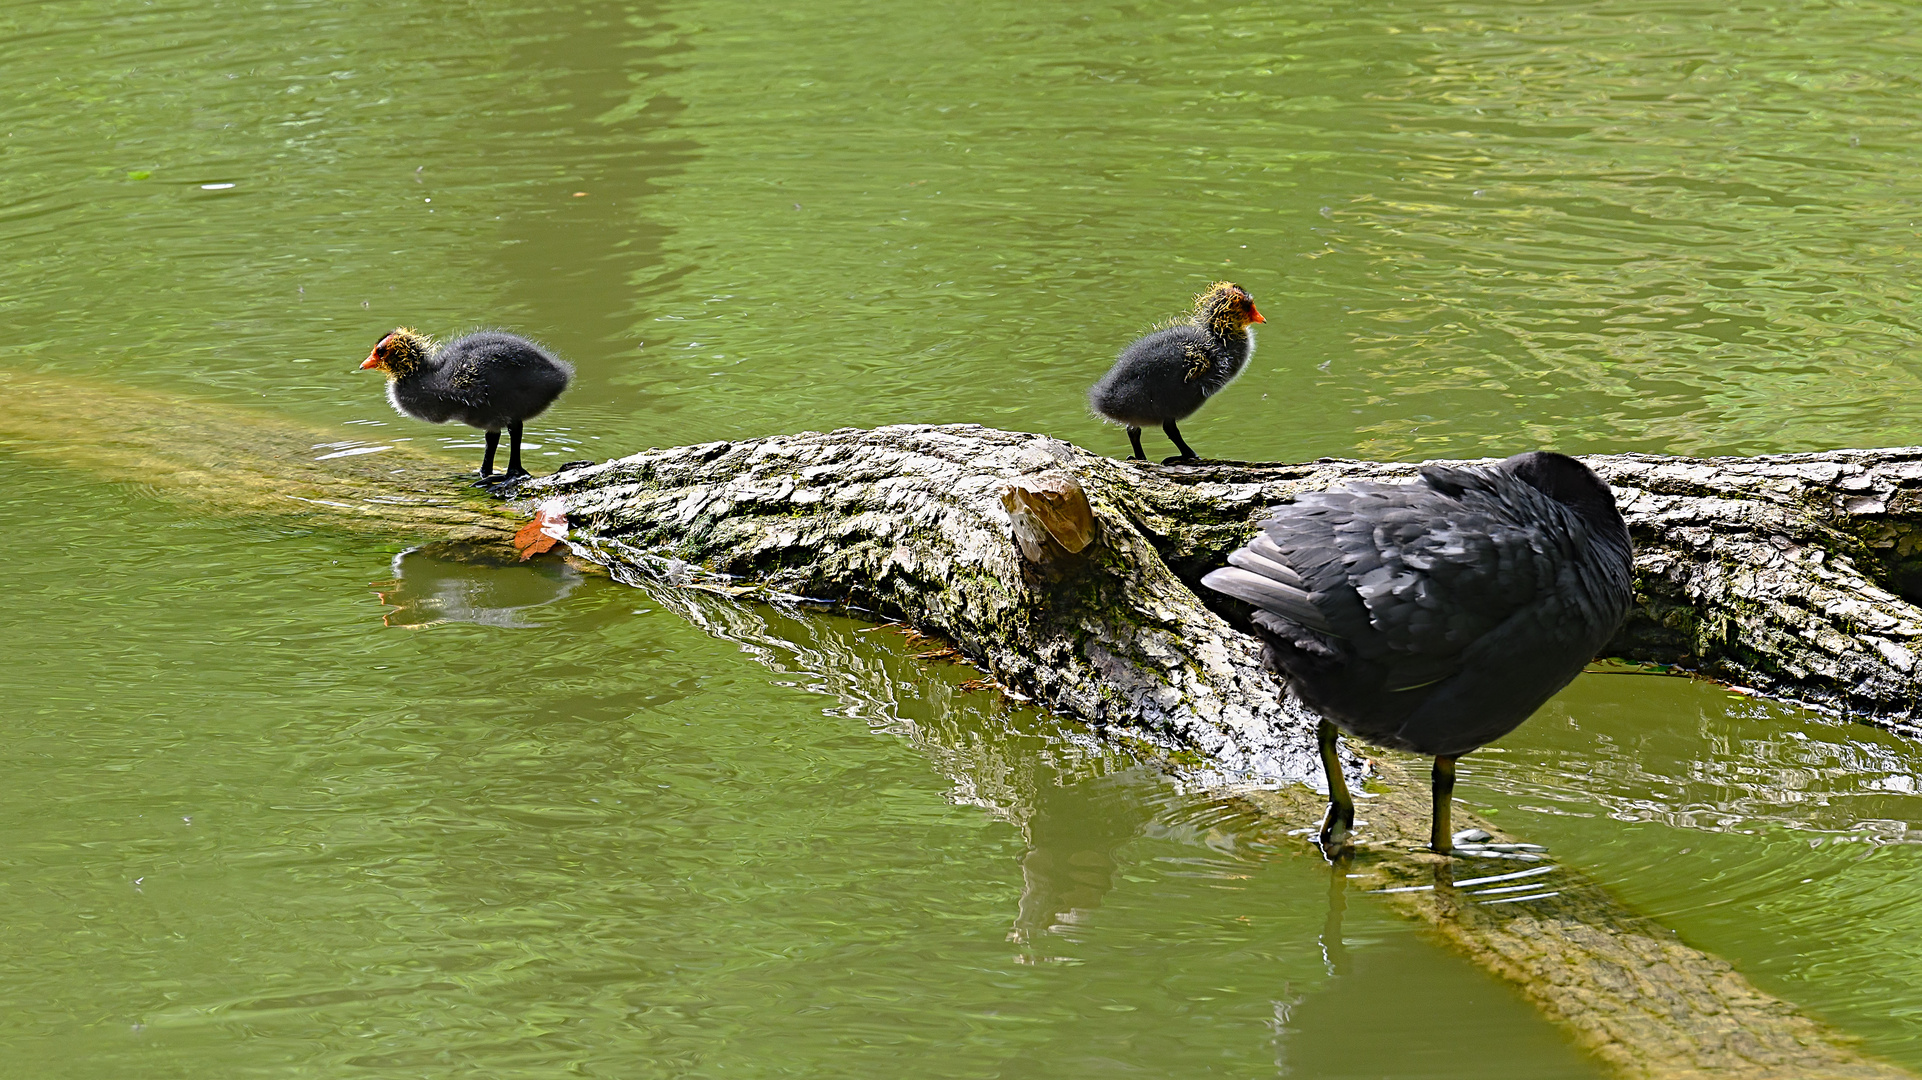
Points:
(1411, 1021)
(1732, 764)
(1072, 832)
(412, 857)
(1780, 839)
(1086, 812)
(1334, 952)
(428, 590)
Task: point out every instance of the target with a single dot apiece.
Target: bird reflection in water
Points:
(1073, 832)
(1334, 954)
(429, 589)
(1285, 1026)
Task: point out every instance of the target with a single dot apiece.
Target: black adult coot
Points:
(489, 379)
(1164, 377)
(1437, 615)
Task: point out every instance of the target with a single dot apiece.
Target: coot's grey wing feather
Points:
(1249, 559)
(1273, 558)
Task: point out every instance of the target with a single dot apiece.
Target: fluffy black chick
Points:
(489, 379)
(1164, 377)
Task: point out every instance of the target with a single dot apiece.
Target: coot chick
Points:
(1164, 377)
(1435, 616)
(489, 379)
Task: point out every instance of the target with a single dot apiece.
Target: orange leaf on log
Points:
(541, 534)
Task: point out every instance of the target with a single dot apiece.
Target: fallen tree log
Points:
(1071, 577)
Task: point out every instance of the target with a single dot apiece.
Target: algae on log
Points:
(1622, 986)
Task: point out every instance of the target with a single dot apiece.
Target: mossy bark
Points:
(228, 460)
(1783, 573)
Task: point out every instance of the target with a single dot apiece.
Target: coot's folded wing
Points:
(1410, 576)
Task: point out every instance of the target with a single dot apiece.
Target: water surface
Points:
(277, 802)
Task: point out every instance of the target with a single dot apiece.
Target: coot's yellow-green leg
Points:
(1340, 822)
(1440, 835)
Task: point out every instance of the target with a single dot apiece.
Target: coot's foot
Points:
(1337, 831)
(1181, 459)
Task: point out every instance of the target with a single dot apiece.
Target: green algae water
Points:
(276, 802)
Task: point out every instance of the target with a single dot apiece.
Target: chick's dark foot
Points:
(501, 484)
(1181, 459)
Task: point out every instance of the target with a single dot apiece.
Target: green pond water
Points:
(277, 802)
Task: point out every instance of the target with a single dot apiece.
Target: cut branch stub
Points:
(1051, 515)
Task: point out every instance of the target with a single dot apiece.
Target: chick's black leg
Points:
(487, 462)
(1440, 835)
(1134, 436)
(1340, 822)
(514, 451)
(1175, 434)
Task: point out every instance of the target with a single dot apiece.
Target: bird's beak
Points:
(1256, 314)
(371, 361)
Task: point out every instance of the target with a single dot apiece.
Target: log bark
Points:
(1784, 574)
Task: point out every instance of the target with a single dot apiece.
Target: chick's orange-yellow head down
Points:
(399, 353)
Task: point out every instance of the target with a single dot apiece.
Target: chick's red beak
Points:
(1253, 315)
(373, 360)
